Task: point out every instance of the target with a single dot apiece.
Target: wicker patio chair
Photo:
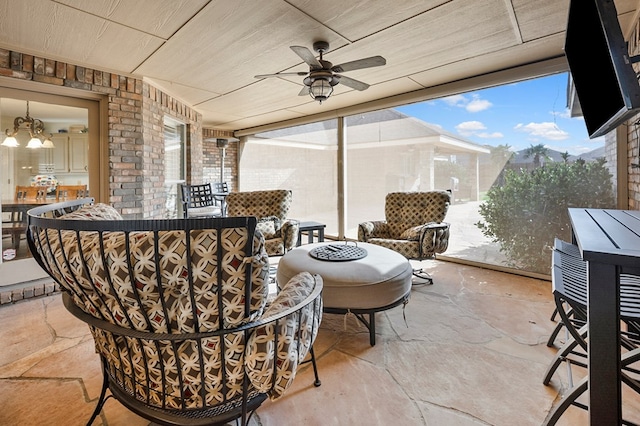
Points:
(178, 310)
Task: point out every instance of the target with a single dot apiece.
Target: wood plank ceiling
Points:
(207, 52)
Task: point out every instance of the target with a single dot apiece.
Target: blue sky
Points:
(521, 114)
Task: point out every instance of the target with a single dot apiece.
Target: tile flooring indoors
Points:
(468, 350)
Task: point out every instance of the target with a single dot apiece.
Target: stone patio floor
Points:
(468, 350)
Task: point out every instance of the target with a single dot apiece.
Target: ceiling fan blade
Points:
(282, 74)
(374, 61)
(304, 91)
(350, 82)
(307, 56)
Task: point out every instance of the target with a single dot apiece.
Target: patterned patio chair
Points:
(270, 208)
(413, 225)
(178, 310)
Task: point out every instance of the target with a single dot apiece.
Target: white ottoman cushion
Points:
(375, 281)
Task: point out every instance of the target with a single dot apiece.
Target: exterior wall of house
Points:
(212, 159)
(135, 130)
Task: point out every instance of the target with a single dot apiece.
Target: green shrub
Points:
(529, 210)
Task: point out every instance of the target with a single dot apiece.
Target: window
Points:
(475, 144)
(174, 164)
(302, 159)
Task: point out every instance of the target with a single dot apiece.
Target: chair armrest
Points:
(289, 232)
(373, 229)
(291, 322)
(434, 238)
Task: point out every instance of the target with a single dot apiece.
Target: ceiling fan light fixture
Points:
(320, 89)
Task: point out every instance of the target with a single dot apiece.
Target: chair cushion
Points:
(263, 357)
(111, 282)
(98, 211)
(412, 234)
(269, 226)
(204, 211)
(404, 210)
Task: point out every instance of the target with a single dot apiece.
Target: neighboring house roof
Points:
(376, 129)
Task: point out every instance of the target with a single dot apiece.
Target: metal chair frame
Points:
(44, 228)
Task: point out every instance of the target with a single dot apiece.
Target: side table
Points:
(311, 228)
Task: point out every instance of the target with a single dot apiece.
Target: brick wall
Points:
(135, 124)
(212, 159)
(155, 106)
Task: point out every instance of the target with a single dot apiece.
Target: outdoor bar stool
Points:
(569, 279)
(579, 317)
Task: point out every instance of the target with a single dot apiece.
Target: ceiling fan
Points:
(323, 75)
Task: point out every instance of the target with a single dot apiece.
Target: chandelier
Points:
(36, 131)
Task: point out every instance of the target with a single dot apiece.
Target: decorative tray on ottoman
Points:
(338, 252)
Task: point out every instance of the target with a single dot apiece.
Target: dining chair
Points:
(30, 192)
(71, 192)
(199, 201)
(220, 193)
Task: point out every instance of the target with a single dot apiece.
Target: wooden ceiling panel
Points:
(59, 32)
(161, 18)
(530, 14)
(224, 46)
(537, 50)
(433, 39)
(259, 98)
(358, 19)
(207, 52)
(188, 94)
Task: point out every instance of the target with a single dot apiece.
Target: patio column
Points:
(474, 178)
(428, 173)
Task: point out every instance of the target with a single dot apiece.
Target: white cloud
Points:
(469, 127)
(473, 104)
(545, 130)
(477, 105)
(476, 128)
(562, 114)
(455, 100)
(486, 135)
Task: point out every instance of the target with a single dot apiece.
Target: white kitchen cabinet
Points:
(78, 153)
(70, 154)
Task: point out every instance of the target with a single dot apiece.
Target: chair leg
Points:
(554, 333)
(317, 382)
(566, 350)
(421, 274)
(372, 328)
(567, 400)
(561, 355)
(101, 399)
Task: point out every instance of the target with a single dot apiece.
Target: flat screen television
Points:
(598, 57)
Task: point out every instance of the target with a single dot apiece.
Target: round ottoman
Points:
(379, 281)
